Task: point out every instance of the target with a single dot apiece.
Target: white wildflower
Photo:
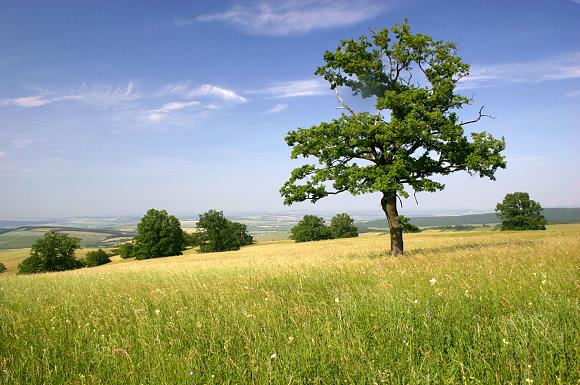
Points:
(432, 281)
(273, 356)
(157, 311)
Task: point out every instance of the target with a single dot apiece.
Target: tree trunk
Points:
(389, 205)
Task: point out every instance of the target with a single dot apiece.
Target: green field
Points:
(25, 237)
(459, 308)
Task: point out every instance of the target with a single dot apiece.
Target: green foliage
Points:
(2, 268)
(310, 228)
(53, 252)
(96, 258)
(414, 135)
(216, 233)
(342, 226)
(407, 226)
(518, 212)
(126, 250)
(158, 235)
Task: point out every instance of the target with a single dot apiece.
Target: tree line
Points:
(159, 234)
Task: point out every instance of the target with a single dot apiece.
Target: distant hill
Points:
(553, 215)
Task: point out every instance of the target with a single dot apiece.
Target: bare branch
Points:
(480, 115)
(342, 102)
(400, 200)
(336, 192)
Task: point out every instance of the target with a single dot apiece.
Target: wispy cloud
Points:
(158, 114)
(294, 88)
(560, 67)
(277, 109)
(130, 103)
(186, 90)
(99, 95)
(279, 18)
(27, 101)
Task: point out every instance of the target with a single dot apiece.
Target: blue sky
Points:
(113, 107)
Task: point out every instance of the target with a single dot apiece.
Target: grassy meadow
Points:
(477, 307)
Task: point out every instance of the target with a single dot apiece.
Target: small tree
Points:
(413, 134)
(96, 258)
(310, 228)
(158, 235)
(53, 252)
(2, 268)
(126, 250)
(407, 226)
(342, 226)
(518, 212)
(216, 233)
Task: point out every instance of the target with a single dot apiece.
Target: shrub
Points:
(310, 228)
(518, 212)
(126, 250)
(407, 226)
(2, 268)
(53, 252)
(216, 233)
(342, 226)
(96, 258)
(158, 235)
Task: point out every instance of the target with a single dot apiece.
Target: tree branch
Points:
(480, 115)
(342, 102)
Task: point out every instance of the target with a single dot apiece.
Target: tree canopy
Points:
(53, 252)
(414, 134)
(342, 226)
(158, 235)
(96, 258)
(518, 212)
(310, 228)
(217, 233)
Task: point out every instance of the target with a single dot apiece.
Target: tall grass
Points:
(461, 308)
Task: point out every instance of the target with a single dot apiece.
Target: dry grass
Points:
(472, 308)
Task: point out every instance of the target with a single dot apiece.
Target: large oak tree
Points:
(414, 134)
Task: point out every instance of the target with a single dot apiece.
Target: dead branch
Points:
(479, 116)
(342, 102)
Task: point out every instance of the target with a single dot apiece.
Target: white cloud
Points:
(99, 95)
(277, 109)
(28, 101)
(560, 67)
(158, 114)
(290, 89)
(130, 105)
(277, 17)
(221, 93)
(184, 89)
